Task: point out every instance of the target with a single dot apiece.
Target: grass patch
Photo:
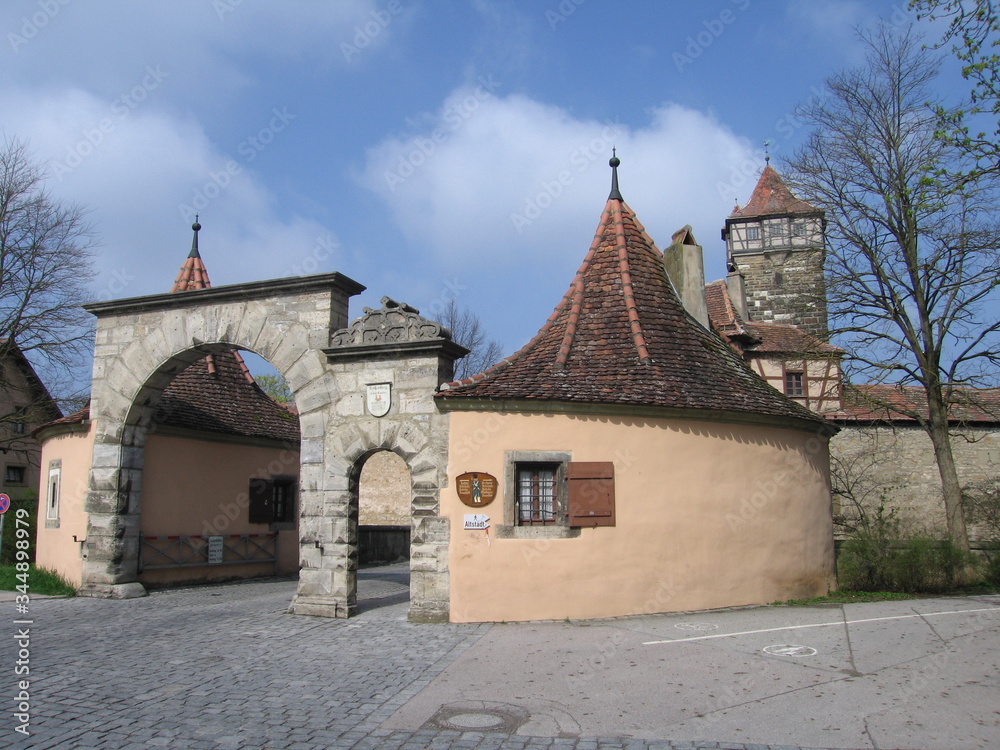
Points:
(854, 597)
(849, 597)
(40, 581)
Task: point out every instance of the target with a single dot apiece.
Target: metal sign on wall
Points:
(379, 398)
(476, 488)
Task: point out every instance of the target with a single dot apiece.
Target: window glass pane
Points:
(52, 507)
(536, 494)
(793, 384)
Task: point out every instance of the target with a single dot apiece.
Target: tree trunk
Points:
(951, 489)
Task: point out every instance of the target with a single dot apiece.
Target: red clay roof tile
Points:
(771, 197)
(621, 336)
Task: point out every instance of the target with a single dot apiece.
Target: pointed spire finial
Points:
(613, 162)
(194, 242)
(767, 151)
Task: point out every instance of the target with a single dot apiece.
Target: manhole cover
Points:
(476, 721)
(481, 715)
(787, 649)
(696, 626)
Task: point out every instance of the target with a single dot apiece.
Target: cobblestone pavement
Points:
(224, 667)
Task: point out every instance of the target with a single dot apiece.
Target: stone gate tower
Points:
(776, 243)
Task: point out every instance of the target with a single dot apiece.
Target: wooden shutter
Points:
(261, 501)
(591, 493)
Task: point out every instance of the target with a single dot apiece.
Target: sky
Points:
(429, 150)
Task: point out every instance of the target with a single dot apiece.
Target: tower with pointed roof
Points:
(776, 243)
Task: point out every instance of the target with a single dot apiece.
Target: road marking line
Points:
(822, 625)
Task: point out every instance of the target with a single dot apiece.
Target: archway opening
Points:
(384, 492)
(220, 477)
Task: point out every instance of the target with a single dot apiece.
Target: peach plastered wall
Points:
(200, 487)
(55, 547)
(708, 515)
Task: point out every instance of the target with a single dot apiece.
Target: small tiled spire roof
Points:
(193, 273)
(621, 336)
(218, 393)
(772, 197)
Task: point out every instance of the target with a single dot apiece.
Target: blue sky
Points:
(426, 149)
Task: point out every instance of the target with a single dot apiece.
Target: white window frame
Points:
(53, 493)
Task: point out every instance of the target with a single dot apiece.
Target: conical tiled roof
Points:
(772, 197)
(193, 274)
(620, 336)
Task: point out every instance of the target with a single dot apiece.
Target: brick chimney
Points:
(685, 267)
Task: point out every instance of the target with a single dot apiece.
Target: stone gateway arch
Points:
(300, 325)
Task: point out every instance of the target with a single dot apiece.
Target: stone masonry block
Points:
(431, 530)
(307, 368)
(311, 451)
(351, 405)
(313, 424)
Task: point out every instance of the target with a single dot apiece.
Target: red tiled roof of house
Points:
(220, 402)
(224, 402)
(779, 338)
(77, 417)
(621, 336)
(765, 338)
(771, 197)
(886, 402)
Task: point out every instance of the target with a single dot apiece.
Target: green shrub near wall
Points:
(28, 500)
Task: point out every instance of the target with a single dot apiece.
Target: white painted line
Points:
(821, 625)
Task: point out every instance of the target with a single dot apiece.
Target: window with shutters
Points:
(547, 495)
(272, 500)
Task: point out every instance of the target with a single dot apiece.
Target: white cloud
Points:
(140, 172)
(505, 192)
(494, 181)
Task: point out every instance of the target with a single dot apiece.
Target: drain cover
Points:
(479, 715)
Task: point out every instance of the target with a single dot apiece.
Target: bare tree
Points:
(912, 263)
(45, 265)
(974, 34)
(467, 330)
